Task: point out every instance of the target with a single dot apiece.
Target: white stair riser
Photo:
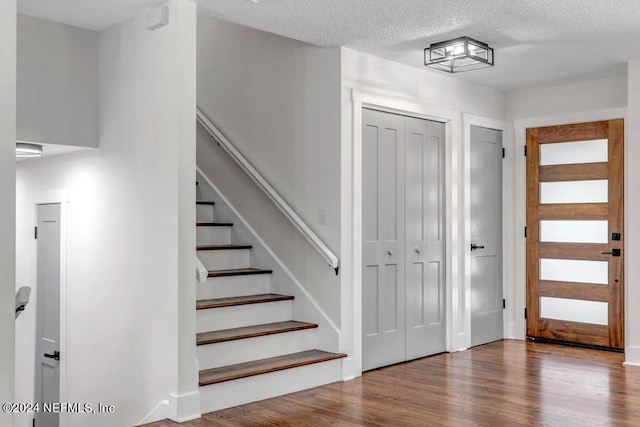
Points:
(216, 319)
(248, 349)
(213, 235)
(225, 259)
(232, 286)
(204, 213)
(259, 387)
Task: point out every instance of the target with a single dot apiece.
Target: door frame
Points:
(516, 324)
(457, 210)
(42, 198)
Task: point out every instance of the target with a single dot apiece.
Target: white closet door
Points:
(383, 292)
(424, 206)
(403, 289)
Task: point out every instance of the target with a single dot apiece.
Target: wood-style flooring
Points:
(506, 383)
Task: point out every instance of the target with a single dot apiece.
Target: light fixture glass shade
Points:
(27, 149)
(457, 55)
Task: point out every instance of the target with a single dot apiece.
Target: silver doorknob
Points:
(389, 252)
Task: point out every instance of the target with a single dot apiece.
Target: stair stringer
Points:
(262, 256)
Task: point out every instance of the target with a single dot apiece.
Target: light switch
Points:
(322, 216)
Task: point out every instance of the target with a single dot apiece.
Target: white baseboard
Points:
(162, 411)
(181, 408)
(632, 356)
(348, 369)
(186, 407)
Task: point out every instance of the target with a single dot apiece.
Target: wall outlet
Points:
(322, 216)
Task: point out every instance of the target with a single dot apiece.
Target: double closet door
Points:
(403, 248)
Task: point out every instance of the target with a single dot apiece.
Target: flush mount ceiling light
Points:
(27, 149)
(457, 55)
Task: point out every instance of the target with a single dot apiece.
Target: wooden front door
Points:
(575, 235)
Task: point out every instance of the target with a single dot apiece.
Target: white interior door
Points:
(403, 290)
(486, 236)
(424, 231)
(47, 377)
(383, 292)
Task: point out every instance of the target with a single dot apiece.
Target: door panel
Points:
(578, 153)
(574, 224)
(594, 191)
(574, 310)
(486, 235)
(47, 387)
(567, 231)
(383, 278)
(425, 285)
(403, 238)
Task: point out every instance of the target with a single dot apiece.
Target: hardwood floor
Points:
(506, 383)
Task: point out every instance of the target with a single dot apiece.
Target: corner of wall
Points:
(8, 206)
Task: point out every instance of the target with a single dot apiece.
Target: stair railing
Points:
(201, 271)
(271, 193)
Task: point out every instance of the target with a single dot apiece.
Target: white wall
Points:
(370, 73)
(371, 81)
(57, 83)
(7, 194)
(610, 92)
(632, 210)
(278, 101)
(132, 214)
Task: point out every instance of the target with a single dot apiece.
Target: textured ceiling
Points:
(90, 14)
(536, 42)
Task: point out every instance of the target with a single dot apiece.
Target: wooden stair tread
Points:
(243, 300)
(205, 202)
(213, 224)
(252, 331)
(238, 272)
(222, 247)
(272, 364)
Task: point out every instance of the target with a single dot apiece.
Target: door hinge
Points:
(525, 313)
(504, 153)
(35, 232)
(525, 151)
(504, 303)
(525, 232)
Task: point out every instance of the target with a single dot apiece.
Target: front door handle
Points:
(474, 247)
(54, 356)
(614, 252)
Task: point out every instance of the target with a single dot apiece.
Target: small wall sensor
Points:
(157, 18)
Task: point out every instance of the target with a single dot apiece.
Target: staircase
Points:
(249, 348)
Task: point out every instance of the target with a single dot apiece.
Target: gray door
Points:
(403, 290)
(47, 386)
(424, 231)
(383, 293)
(486, 235)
